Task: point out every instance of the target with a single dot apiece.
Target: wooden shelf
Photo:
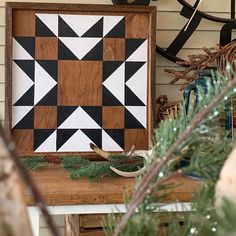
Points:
(57, 189)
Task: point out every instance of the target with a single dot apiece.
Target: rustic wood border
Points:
(83, 8)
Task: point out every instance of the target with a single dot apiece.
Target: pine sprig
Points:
(34, 163)
(79, 167)
(173, 137)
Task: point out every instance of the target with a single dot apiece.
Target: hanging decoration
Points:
(218, 54)
(195, 17)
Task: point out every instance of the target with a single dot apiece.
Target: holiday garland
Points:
(79, 167)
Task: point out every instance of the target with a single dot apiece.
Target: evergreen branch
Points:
(144, 187)
(34, 163)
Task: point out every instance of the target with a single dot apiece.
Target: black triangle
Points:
(117, 135)
(27, 66)
(64, 30)
(27, 122)
(96, 30)
(50, 99)
(131, 68)
(109, 67)
(63, 135)
(42, 30)
(131, 122)
(40, 135)
(131, 99)
(118, 31)
(50, 67)
(96, 53)
(131, 45)
(108, 99)
(27, 99)
(95, 112)
(65, 53)
(95, 135)
(63, 112)
(28, 43)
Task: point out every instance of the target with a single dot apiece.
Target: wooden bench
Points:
(66, 196)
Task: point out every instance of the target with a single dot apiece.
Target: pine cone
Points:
(53, 159)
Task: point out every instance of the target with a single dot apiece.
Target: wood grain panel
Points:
(136, 26)
(46, 48)
(112, 117)
(137, 136)
(24, 141)
(2, 73)
(45, 117)
(91, 221)
(80, 83)
(113, 49)
(27, 23)
(104, 191)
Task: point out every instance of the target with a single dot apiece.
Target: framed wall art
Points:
(79, 74)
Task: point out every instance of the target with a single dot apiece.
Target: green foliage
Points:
(71, 162)
(142, 223)
(79, 167)
(205, 149)
(92, 171)
(34, 163)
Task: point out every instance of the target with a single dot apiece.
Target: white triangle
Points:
(110, 22)
(138, 83)
(18, 113)
(140, 113)
(77, 142)
(43, 83)
(18, 52)
(108, 144)
(80, 23)
(49, 145)
(79, 119)
(50, 20)
(21, 83)
(140, 54)
(115, 83)
(80, 46)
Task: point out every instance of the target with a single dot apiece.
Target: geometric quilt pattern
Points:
(79, 80)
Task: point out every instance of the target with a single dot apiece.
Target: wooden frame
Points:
(42, 8)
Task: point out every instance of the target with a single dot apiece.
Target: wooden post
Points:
(72, 227)
(14, 220)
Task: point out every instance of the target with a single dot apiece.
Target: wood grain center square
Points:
(113, 117)
(45, 117)
(113, 49)
(79, 83)
(46, 48)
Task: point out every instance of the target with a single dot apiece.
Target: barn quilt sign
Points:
(79, 74)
